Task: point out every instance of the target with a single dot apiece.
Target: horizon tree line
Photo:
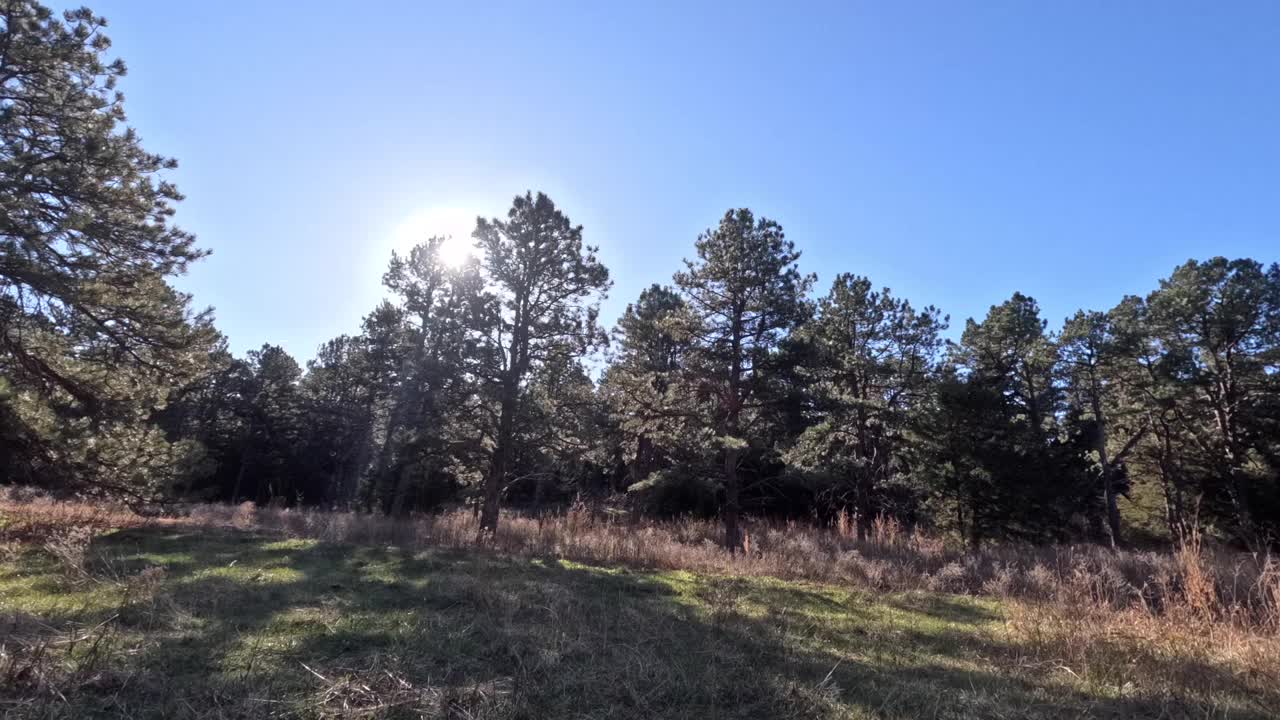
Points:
(731, 391)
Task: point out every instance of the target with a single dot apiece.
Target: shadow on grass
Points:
(256, 627)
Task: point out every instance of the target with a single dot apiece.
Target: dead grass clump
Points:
(11, 550)
(949, 578)
(70, 547)
(245, 516)
(1190, 663)
(380, 690)
(144, 587)
(1095, 584)
(213, 514)
(887, 531)
(1265, 594)
(41, 665)
(1198, 585)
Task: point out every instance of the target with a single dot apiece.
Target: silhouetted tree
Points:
(547, 285)
(743, 294)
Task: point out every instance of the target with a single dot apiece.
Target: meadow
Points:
(244, 612)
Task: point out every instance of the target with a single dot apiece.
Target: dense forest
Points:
(737, 388)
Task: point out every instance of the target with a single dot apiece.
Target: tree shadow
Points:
(258, 627)
(945, 608)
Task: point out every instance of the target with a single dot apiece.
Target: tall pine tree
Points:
(548, 285)
(744, 294)
(92, 335)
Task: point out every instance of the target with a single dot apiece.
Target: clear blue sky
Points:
(954, 151)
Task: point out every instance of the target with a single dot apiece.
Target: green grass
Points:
(241, 625)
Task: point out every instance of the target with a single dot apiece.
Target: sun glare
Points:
(455, 224)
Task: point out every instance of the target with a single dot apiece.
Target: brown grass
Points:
(1189, 632)
(1195, 581)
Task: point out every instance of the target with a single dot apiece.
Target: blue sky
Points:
(954, 151)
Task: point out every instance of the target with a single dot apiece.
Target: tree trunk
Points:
(732, 533)
(1173, 510)
(400, 495)
(639, 470)
(864, 477)
(350, 471)
(394, 421)
(539, 488)
(1108, 474)
(493, 491)
(246, 456)
(1237, 485)
(641, 464)
(235, 492)
(497, 476)
(733, 417)
(862, 505)
(1113, 509)
(975, 527)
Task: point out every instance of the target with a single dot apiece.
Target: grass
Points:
(186, 622)
(1194, 582)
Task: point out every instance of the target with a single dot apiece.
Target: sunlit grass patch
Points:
(229, 624)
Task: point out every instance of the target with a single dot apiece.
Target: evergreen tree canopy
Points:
(744, 294)
(548, 285)
(92, 335)
(732, 392)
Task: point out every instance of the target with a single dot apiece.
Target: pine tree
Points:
(1089, 363)
(1218, 324)
(273, 431)
(425, 434)
(92, 336)
(641, 386)
(871, 360)
(744, 295)
(1031, 460)
(340, 387)
(548, 285)
(961, 448)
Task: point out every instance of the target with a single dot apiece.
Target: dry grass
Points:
(1128, 650)
(1195, 581)
(412, 620)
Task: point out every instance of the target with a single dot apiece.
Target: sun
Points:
(455, 224)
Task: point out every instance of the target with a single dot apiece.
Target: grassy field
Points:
(182, 623)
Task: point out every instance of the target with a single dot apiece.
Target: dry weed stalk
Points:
(379, 690)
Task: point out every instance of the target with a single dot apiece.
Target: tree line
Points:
(739, 388)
